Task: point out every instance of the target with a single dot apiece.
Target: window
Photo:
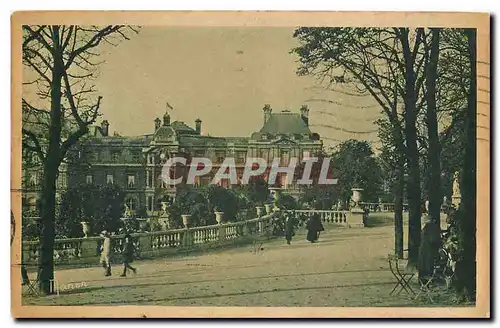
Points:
(199, 153)
(306, 155)
(131, 203)
(88, 179)
(131, 181)
(285, 157)
(262, 153)
(205, 180)
(149, 179)
(109, 179)
(150, 159)
(220, 156)
(240, 157)
(150, 203)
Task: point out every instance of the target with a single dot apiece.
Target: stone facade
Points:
(135, 163)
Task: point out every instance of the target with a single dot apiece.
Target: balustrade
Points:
(150, 244)
(327, 216)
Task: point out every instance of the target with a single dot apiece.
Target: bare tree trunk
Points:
(434, 170)
(467, 214)
(413, 184)
(50, 169)
(398, 212)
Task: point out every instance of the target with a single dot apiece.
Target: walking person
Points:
(314, 228)
(128, 255)
(289, 227)
(106, 253)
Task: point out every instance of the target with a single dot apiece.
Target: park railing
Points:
(382, 207)
(327, 216)
(154, 244)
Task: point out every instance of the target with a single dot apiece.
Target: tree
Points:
(320, 197)
(100, 205)
(393, 169)
(257, 190)
(194, 202)
(62, 61)
(466, 266)
(357, 168)
(223, 200)
(434, 150)
(387, 64)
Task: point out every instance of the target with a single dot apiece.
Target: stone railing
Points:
(382, 207)
(153, 244)
(327, 216)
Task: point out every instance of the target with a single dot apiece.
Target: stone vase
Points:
(268, 208)
(85, 228)
(243, 214)
(356, 196)
(219, 216)
(185, 219)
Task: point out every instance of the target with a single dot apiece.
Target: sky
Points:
(222, 75)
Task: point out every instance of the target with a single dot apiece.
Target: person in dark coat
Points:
(289, 225)
(128, 255)
(429, 249)
(314, 227)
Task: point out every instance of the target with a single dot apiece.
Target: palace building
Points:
(135, 163)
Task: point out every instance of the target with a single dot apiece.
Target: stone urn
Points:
(219, 216)
(356, 216)
(356, 196)
(143, 224)
(268, 208)
(259, 211)
(185, 219)
(243, 214)
(85, 228)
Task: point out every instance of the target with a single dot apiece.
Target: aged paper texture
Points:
(250, 164)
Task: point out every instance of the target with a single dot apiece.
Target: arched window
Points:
(131, 203)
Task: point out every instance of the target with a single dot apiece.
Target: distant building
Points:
(135, 163)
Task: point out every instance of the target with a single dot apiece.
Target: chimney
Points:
(105, 128)
(157, 124)
(166, 119)
(304, 113)
(267, 112)
(198, 126)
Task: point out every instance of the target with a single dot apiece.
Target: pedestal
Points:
(88, 248)
(355, 218)
(145, 242)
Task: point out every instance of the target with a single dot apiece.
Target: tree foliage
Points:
(357, 167)
(100, 205)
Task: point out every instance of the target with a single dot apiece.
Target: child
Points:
(128, 255)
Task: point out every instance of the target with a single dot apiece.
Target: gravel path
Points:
(347, 267)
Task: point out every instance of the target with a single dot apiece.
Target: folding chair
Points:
(439, 273)
(425, 287)
(31, 285)
(403, 275)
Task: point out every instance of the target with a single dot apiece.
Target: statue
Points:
(164, 208)
(456, 196)
(456, 184)
(127, 213)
